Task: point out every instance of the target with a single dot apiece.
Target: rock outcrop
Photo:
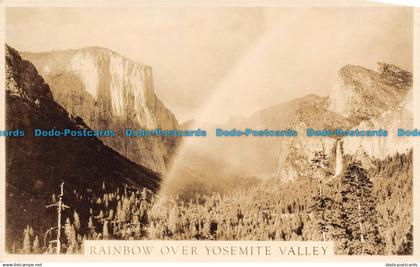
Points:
(110, 91)
(36, 166)
(360, 93)
(361, 99)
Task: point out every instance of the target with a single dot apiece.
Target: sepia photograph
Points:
(248, 130)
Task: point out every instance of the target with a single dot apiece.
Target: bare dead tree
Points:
(60, 207)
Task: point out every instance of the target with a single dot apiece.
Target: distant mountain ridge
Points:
(109, 91)
(361, 98)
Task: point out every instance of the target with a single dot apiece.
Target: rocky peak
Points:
(110, 91)
(99, 74)
(36, 166)
(22, 78)
(395, 76)
(360, 93)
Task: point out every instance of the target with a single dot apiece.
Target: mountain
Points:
(361, 99)
(361, 93)
(35, 166)
(380, 148)
(110, 91)
(379, 99)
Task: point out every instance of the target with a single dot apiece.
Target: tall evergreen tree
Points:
(26, 241)
(76, 220)
(359, 223)
(321, 203)
(35, 248)
(105, 232)
(71, 236)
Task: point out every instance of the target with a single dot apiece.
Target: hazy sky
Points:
(213, 62)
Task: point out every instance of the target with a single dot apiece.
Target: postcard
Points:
(209, 131)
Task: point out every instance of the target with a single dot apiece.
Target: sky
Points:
(211, 63)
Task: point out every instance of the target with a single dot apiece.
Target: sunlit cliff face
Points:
(378, 101)
(110, 91)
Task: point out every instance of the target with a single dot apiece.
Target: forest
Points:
(367, 209)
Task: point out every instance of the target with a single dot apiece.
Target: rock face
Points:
(361, 98)
(398, 117)
(361, 93)
(110, 92)
(370, 99)
(35, 166)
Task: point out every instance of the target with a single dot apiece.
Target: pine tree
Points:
(106, 200)
(50, 248)
(35, 247)
(321, 204)
(90, 223)
(71, 237)
(101, 215)
(111, 214)
(31, 231)
(124, 210)
(105, 232)
(91, 228)
(173, 220)
(359, 233)
(76, 220)
(144, 194)
(26, 241)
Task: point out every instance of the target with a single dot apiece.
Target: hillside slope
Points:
(35, 166)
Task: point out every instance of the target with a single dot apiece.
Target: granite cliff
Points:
(110, 91)
(361, 99)
(36, 166)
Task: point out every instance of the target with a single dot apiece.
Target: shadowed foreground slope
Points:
(35, 166)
